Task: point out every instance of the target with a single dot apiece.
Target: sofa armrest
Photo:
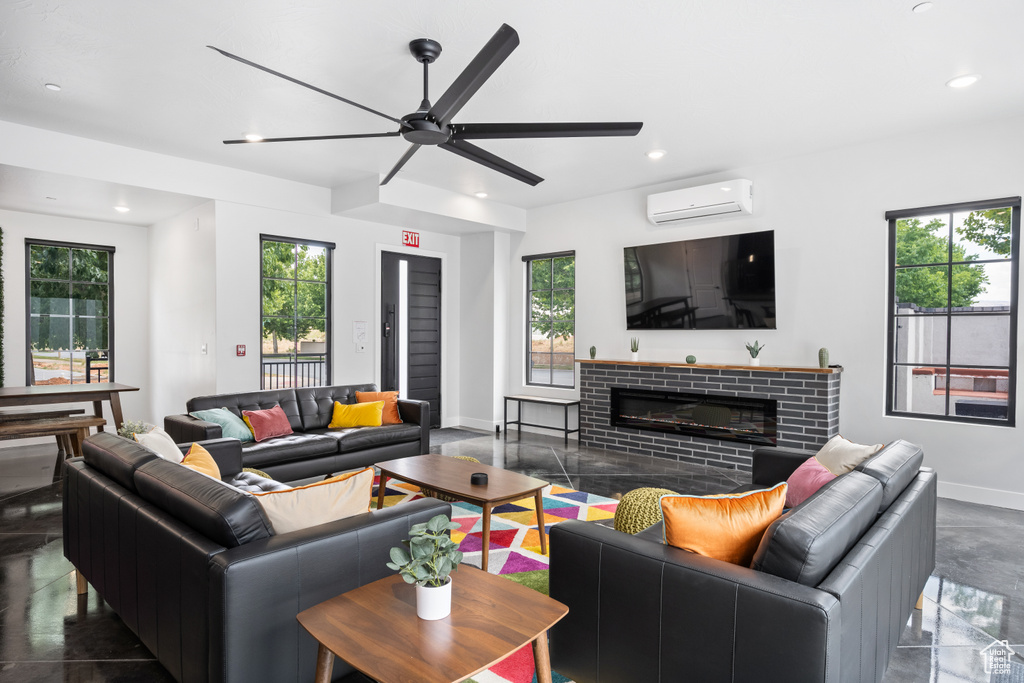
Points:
(257, 589)
(186, 429)
(773, 465)
(227, 453)
(417, 412)
(638, 609)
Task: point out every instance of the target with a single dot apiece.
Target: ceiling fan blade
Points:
(497, 49)
(315, 137)
(304, 85)
(401, 162)
(485, 131)
(482, 156)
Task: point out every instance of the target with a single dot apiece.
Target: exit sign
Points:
(410, 239)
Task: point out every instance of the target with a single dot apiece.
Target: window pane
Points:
(922, 240)
(312, 263)
(980, 340)
(49, 298)
(312, 299)
(540, 339)
(90, 333)
(983, 287)
(922, 288)
(563, 305)
(540, 305)
(919, 390)
(278, 335)
(983, 234)
(89, 265)
(50, 333)
(278, 298)
(89, 300)
(540, 274)
(278, 259)
(310, 331)
(565, 273)
(540, 368)
(921, 339)
(563, 370)
(49, 263)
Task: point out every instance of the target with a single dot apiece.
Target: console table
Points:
(565, 403)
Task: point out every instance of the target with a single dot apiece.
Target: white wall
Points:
(131, 299)
(827, 213)
(183, 312)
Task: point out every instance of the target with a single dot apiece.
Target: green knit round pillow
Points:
(256, 471)
(444, 496)
(639, 509)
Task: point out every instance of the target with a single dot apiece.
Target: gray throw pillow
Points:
(231, 426)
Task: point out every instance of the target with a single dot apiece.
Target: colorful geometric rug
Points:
(514, 550)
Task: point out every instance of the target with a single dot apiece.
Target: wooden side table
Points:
(375, 629)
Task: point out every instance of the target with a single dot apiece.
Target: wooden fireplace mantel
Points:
(714, 366)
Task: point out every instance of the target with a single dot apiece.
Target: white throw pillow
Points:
(161, 443)
(840, 456)
(325, 501)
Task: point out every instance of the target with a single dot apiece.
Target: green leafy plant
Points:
(132, 427)
(634, 344)
(593, 352)
(755, 348)
(430, 555)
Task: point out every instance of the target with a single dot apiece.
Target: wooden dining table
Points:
(93, 392)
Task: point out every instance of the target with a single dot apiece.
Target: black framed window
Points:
(295, 309)
(69, 297)
(953, 273)
(551, 319)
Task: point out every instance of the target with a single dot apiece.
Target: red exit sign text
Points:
(410, 239)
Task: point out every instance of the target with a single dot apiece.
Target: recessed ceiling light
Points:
(725, 189)
(52, 86)
(963, 81)
(253, 137)
(656, 154)
(122, 209)
(922, 7)
(480, 195)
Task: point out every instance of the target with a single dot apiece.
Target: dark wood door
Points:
(411, 334)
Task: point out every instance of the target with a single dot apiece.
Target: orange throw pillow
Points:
(390, 398)
(200, 460)
(726, 527)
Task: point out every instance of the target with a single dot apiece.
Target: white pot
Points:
(434, 602)
(755, 361)
(634, 355)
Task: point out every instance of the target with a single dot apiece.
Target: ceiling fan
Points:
(432, 124)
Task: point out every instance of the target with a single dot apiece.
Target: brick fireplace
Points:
(806, 399)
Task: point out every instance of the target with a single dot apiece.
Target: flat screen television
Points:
(715, 283)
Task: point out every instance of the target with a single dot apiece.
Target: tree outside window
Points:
(552, 319)
(69, 302)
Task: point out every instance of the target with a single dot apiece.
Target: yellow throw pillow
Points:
(325, 501)
(200, 460)
(840, 456)
(347, 415)
(727, 527)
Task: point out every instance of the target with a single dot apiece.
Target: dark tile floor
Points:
(49, 633)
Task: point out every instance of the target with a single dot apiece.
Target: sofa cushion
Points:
(231, 426)
(252, 400)
(806, 543)
(116, 457)
(806, 480)
(390, 398)
(266, 424)
(895, 466)
(255, 483)
(200, 460)
(338, 497)
(161, 443)
(316, 404)
(360, 438)
(281, 449)
(840, 456)
(216, 510)
(348, 415)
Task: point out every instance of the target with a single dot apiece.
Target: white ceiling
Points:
(719, 84)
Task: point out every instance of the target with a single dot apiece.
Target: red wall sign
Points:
(240, 349)
(410, 239)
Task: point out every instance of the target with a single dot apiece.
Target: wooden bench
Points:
(69, 429)
(564, 403)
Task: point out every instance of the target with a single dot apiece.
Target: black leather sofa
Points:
(312, 450)
(832, 586)
(192, 566)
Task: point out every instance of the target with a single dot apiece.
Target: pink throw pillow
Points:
(267, 423)
(805, 480)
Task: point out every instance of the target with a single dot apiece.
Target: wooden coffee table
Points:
(375, 629)
(450, 475)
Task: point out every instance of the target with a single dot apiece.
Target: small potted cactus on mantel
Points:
(634, 348)
(755, 349)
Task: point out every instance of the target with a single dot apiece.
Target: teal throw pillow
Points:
(231, 426)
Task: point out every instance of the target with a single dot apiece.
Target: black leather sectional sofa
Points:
(312, 450)
(833, 584)
(192, 566)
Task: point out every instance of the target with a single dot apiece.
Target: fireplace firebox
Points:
(712, 416)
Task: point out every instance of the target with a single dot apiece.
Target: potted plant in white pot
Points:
(755, 349)
(634, 348)
(427, 560)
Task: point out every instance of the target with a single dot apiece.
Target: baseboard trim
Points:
(475, 424)
(982, 495)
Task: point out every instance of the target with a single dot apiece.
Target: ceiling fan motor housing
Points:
(423, 131)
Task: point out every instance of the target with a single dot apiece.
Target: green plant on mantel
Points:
(634, 344)
(755, 348)
(431, 555)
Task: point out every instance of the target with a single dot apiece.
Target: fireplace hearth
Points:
(711, 416)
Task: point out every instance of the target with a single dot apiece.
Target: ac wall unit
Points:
(729, 197)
